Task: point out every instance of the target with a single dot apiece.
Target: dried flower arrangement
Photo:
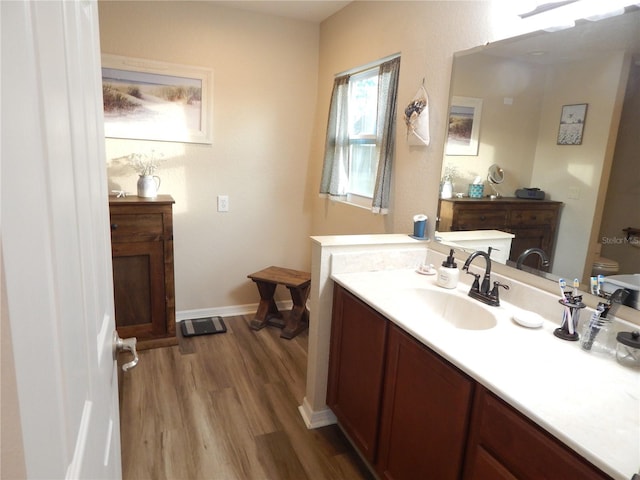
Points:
(413, 110)
(145, 164)
(450, 172)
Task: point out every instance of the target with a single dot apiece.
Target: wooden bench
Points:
(298, 284)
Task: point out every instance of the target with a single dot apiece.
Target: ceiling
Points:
(309, 10)
(584, 40)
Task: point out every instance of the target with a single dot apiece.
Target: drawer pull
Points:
(114, 226)
(483, 218)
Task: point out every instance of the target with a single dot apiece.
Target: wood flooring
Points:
(225, 406)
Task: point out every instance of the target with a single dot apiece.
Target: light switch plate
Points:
(223, 203)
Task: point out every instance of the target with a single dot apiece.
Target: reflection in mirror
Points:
(495, 176)
(524, 83)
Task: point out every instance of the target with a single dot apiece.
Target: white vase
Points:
(446, 189)
(148, 186)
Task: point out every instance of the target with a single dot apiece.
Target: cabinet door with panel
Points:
(503, 444)
(356, 368)
(425, 413)
(143, 278)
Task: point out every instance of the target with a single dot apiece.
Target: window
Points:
(361, 137)
(363, 111)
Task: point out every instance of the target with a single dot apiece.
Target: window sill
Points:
(356, 201)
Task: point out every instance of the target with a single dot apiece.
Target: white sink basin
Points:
(460, 311)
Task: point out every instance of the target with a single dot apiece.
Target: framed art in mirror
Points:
(464, 126)
(572, 124)
(150, 100)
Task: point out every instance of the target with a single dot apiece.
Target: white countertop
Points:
(589, 402)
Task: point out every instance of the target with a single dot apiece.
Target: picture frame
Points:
(463, 133)
(572, 120)
(151, 100)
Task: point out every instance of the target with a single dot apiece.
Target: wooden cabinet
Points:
(356, 368)
(412, 414)
(425, 413)
(533, 222)
(404, 408)
(503, 444)
(143, 280)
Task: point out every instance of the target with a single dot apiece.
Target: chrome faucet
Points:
(538, 251)
(482, 292)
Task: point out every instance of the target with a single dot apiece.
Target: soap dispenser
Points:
(448, 273)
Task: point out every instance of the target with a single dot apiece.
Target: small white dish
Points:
(528, 319)
(426, 270)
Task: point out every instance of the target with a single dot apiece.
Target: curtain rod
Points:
(367, 66)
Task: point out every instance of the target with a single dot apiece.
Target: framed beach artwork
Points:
(572, 124)
(149, 100)
(464, 126)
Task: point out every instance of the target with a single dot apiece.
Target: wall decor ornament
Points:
(150, 100)
(464, 126)
(572, 124)
(416, 117)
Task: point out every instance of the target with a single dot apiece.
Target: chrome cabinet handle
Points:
(125, 344)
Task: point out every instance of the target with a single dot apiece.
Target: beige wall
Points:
(621, 207)
(264, 100)
(12, 464)
(426, 34)
(272, 84)
(508, 132)
(561, 168)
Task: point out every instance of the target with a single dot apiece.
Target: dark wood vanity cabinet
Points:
(533, 222)
(425, 413)
(356, 369)
(412, 414)
(143, 278)
(404, 408)
(503, 444)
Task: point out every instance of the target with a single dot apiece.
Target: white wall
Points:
(264, 99)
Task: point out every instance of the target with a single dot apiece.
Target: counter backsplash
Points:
(519, 294)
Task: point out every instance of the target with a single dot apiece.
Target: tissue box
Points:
(476, 190)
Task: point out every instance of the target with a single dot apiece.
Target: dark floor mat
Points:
(202, 326)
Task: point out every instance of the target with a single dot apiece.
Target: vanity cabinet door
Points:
(356, 368)
(503, 444)
(425, 413)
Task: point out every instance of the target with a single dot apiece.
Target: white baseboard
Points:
(230, 311)
(316, 419)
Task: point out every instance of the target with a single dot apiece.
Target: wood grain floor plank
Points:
(274, 452)
(224, 407)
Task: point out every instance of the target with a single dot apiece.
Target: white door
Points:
(55, 239)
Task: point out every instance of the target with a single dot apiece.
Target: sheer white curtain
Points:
(336, 151)
(386, 133)
(334, 182)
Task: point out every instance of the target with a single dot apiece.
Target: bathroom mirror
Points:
(524, 83)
